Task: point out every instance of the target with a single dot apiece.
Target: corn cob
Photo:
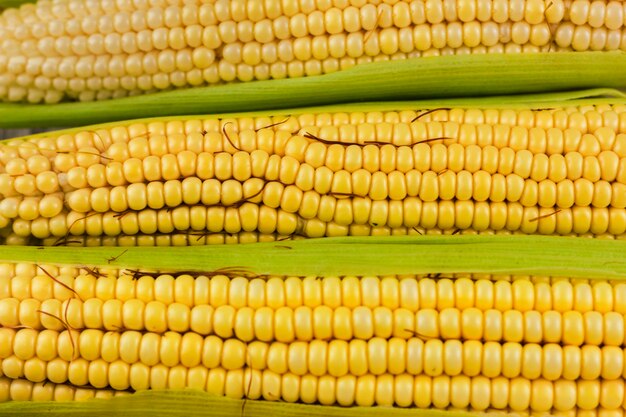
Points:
(474, 341)
(556, 171)
(57, 50)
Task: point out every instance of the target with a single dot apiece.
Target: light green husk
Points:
(496, 254)
(191, 403)
(596, 96)
(411, 79)
(5, 4)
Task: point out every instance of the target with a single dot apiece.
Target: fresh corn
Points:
(58, 50)
(526, 325)
(473, 341)
(447, 170)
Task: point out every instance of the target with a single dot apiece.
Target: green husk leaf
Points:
(6, 4)
(525, 101)
(431, 77)
(496, 254)
(191, 403)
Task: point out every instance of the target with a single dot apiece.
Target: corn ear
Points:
(100, 193)
(170, 45)
(582, 258)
